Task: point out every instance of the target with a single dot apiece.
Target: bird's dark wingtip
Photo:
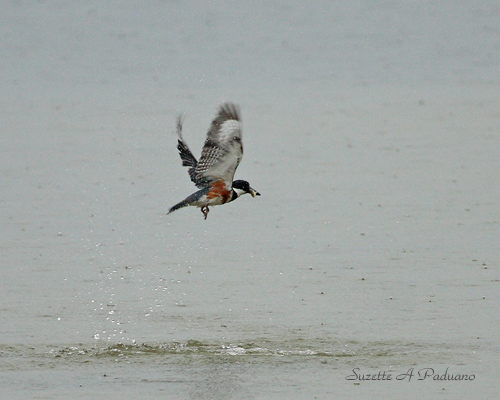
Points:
(228, 110)
(179, 122)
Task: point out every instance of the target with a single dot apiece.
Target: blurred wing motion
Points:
(221, 153)
(188, 160)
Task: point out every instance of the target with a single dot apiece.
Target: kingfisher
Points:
(221, 154)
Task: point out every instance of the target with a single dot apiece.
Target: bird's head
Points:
(242, 187)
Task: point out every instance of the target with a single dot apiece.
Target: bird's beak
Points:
(254, 193)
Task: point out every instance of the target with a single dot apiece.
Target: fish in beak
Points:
(253, 192)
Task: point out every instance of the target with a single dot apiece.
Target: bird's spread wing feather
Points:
(188, 160)
(223, 148)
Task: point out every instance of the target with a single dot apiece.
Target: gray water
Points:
(371, 129)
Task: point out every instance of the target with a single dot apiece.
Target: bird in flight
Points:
(213, 173)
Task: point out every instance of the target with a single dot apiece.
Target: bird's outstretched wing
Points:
(188, 160)
(222, 151)
(223, 147)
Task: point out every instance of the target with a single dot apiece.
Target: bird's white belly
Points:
(205, 201)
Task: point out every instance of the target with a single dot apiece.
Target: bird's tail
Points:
(182, 204)
(190, 200)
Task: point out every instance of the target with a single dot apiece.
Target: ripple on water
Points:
(369, 353)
